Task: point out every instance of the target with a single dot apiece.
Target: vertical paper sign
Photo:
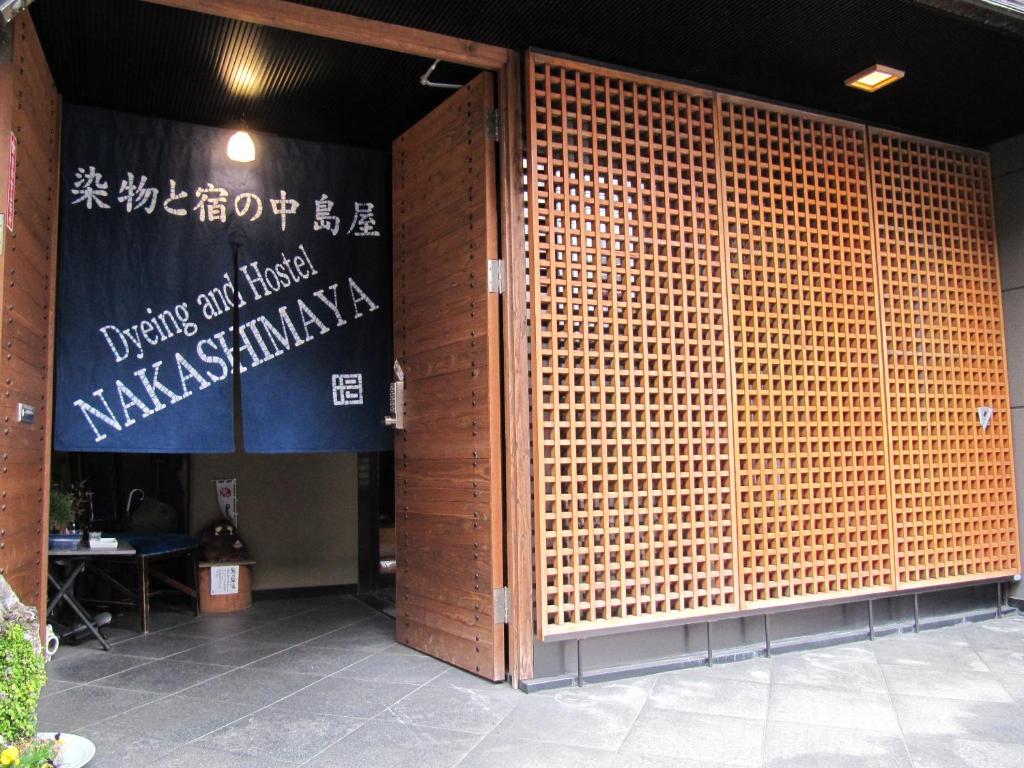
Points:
(12, 171)
(227, 499)
(224, 579)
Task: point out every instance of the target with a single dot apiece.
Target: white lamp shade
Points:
(240, 147)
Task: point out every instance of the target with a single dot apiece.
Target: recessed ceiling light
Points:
(873, 78)
(245, 80)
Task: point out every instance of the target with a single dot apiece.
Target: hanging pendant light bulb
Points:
(240, 147)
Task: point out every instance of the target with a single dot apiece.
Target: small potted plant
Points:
(64, 510)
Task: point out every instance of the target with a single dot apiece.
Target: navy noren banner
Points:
(314, 334)
(151, 312)
(138, 367)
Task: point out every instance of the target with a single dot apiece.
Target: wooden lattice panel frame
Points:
(954, 508)
(630, 366)
(812, 482)
(759, 340)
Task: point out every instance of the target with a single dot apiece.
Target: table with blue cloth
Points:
(153, 548)
(152, 552)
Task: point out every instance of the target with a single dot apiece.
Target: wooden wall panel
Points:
(812, 480)
(954, 509)
(630, 372)
(29, 108)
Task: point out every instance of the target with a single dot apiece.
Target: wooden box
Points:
(239, 601)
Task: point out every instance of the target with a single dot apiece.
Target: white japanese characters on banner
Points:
(212, 203)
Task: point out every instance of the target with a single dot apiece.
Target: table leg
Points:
(62, 589)
(144, 594)
(65, 594)
(195, 584)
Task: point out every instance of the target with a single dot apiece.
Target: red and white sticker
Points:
(12, 169)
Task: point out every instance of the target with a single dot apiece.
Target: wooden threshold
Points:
(349, 29)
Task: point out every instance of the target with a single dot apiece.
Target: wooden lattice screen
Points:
(810, 415)
(632, 456)
(954, 506)
(721, 420)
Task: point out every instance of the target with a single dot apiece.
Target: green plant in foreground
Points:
(37, 753)
(22, 676)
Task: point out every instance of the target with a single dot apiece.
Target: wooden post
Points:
(518, 520)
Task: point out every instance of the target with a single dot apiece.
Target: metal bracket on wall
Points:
(496, 276)
(579, 663)
(426, 81)
(501, 605)
(493, 129)
(711, 652)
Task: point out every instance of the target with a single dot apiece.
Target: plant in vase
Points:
(65, 509)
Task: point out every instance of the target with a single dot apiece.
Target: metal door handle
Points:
(396, 419)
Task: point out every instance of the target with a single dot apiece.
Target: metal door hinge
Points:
(493, 125)
(501, 605)
(496, 276)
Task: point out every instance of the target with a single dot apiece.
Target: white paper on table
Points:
(224, 580)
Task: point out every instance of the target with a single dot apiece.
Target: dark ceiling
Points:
(152, 60)
(963, 83)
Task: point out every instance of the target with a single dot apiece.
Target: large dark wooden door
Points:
(448, 488)
(29, 138)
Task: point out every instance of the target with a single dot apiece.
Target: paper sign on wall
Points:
(227, 499)
(224, 580)
(12, 175)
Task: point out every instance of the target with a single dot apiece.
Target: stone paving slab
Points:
(283, 685)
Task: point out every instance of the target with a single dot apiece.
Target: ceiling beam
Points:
(350, 29)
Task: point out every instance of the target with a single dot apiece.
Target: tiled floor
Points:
(322, 682)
